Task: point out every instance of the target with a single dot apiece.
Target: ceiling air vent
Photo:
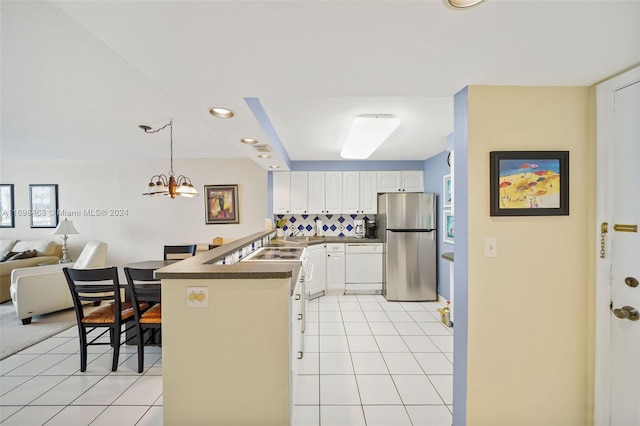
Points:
(262, 148)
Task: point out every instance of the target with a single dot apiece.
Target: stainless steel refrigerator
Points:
(407, 225)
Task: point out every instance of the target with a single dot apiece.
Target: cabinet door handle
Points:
(297, 297)
(300, 317)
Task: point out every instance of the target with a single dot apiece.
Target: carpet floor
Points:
(14, 336)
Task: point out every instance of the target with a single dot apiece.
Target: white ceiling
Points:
(78, 77)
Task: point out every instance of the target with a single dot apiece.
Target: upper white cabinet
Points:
(299, 193)
(360, 191)
(316, 192)
(281, 192)
(401, 181)
(368, 192)
(333, 192)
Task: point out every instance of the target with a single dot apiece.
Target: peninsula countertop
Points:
(202, 266)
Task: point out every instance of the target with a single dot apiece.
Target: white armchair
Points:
(43, 289)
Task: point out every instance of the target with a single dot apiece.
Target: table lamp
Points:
(65, 228)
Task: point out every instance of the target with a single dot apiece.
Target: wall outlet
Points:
(490, 247)
(197, 297)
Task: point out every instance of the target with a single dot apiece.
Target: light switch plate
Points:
(490, 247)
(197, 297)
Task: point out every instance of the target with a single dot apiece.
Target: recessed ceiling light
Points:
(274, 167)
(464, 3)
(249, 141)
(221, 112)
(265, 156)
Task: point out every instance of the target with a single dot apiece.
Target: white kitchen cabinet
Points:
(335, 268)
(316, 283)
(281, 192)
(359, 193)
(333, 193)
(316, 192)
(368, 195)
(350, 192)
(296, 338)
(413, 181)
(299, 192)
(401, 181)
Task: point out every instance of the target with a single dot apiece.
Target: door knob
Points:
(627, 312)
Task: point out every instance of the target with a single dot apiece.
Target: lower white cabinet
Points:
(335, 268)
(316, 281)
(296, 338)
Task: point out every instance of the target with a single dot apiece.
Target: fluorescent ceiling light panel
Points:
(366, 134)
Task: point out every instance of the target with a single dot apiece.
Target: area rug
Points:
(14, 336)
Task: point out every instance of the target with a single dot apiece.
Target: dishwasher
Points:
(363, 268)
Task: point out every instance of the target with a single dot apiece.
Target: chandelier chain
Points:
(170, 125)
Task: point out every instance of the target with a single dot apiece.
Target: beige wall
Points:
(150, 222)
(529, 344)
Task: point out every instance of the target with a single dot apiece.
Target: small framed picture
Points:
(529, 183)
(7, 208)
(43, 206)
(448, 232)
(221, 204)
(447, 194)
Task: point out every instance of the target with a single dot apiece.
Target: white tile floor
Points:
(367, 362)
(372, 362)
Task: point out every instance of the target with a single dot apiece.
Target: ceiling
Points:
(78, 77)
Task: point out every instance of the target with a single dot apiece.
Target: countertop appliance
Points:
(407, 225)
(358, 225)
(371, 229)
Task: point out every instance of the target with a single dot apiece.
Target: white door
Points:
(617, 399)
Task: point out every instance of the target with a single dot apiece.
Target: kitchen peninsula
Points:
(227, 358)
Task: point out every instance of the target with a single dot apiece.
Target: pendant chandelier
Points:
(171, 186)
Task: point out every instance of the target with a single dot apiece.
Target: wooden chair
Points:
(98, 285)
(170, 252)
(141, 292)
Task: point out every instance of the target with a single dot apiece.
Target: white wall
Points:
(150, 222)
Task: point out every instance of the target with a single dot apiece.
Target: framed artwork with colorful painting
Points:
(529, 183)
(221, 204)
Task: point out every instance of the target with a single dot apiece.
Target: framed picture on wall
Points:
(448, 232)
(43, 206)
(529, 183)
(221, 204)
(447, 193)
(7, 208)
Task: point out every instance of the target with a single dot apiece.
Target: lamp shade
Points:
(65, 227)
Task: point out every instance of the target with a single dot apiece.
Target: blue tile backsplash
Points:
(333, 225)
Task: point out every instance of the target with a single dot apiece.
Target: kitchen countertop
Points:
(330, 240)
(202, 266)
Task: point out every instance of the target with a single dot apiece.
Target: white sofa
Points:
(47, 252)
(44, 289)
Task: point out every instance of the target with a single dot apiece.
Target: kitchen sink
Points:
(298, 240)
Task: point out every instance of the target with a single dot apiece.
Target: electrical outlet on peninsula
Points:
(197, 297)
